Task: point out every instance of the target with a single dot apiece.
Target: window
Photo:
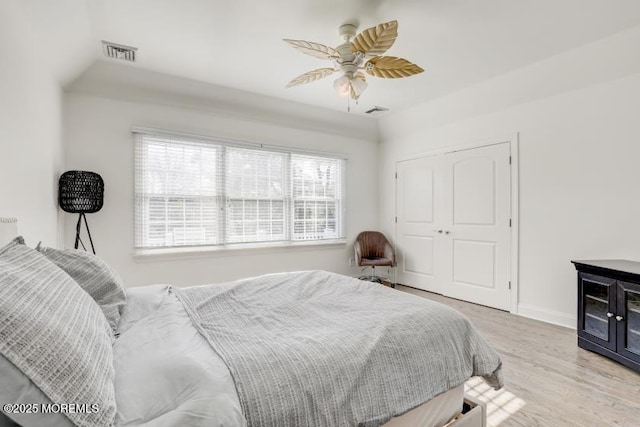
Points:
(212, 193)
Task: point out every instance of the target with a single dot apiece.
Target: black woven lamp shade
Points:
(80, 192)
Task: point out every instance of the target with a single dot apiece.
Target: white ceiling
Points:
(238, 43)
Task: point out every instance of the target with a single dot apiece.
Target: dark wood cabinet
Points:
(609, 309)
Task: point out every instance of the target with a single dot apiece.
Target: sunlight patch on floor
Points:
(501, 404)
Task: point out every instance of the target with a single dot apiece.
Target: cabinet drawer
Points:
(475, 417)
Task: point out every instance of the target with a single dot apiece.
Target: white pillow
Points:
(56, 335)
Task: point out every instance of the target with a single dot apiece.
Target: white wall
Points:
(98, 138)
(30, 130)
(577, 117)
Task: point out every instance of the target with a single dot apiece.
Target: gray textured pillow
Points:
(56, 335)
(94, 276)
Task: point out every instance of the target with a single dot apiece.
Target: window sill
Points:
(168, 254)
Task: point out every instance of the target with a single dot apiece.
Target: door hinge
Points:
(509, 285)
(396, 175)
(509, 159)
(509, 222)
(396, 220)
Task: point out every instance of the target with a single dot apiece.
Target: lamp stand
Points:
(78, 239)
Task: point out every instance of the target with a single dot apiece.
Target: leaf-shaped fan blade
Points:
(311, 76)
(361, 76)
(376, 40)
(391, 67)
(314, 49)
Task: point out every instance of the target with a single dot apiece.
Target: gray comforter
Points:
(320, 349)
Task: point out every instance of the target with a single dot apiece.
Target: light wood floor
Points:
(549, 381)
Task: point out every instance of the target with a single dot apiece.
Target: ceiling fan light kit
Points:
(341, 85)
(362, 52)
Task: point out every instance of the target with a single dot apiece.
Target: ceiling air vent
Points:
(376, 111)
(118, 51)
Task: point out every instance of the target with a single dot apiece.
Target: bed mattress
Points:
(434, 413)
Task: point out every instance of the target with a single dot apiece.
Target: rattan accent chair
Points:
(372, 249)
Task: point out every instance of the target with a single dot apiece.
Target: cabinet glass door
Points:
(629, 320)
(596, 322)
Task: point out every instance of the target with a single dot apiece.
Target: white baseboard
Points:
(549, 316)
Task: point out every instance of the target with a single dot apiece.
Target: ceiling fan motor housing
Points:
(349, 61)
(344, 50)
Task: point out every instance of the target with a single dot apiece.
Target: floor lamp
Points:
(81, 192)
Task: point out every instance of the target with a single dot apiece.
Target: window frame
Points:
(224, 218)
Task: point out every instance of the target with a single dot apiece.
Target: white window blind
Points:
(256, 195)
(178, 193)
(194, 193)
(317, 197)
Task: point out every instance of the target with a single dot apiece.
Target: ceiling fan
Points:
(362, 52)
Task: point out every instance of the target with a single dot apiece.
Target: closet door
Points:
(419, 190)
(453, 232)
(476, 220)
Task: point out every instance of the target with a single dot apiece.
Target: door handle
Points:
(447, 232)
(610, 314)
(619, 318)
(438, 231)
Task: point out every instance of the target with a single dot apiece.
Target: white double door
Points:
(453, 230)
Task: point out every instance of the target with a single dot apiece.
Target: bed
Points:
(292, 349)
